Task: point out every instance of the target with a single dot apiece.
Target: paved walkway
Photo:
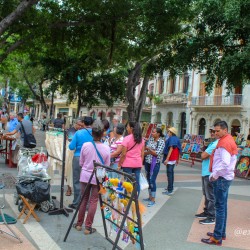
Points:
(170, 224)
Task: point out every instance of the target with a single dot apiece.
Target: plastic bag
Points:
(143, 182)
(36, 191)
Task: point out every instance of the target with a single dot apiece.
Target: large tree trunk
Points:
(142, 98)
(15, 15)
(52, 105)
(133, 81)
(40, 97)
(135, 107)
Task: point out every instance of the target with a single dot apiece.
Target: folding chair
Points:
(3, 221)
(30, 206)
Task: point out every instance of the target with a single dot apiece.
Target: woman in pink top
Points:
(87, 156)
(132, 152)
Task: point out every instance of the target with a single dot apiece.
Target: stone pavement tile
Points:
(8, 242)
(162, 177)
(238, 226)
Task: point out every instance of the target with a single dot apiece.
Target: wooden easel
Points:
(30, 206)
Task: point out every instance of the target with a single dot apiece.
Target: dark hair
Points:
(248, 137)
(20, 115)
(136, 131)
(120, 128)
(59, 115)
(88, 120)
(159, 131)
(97, 130)
(105, 123)
(221, 124)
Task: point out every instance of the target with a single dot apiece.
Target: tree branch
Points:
(10, 49)
(12, 17)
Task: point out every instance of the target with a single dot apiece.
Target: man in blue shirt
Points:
(79, 138)
(26, 115)
(13, 122)
(208, 215)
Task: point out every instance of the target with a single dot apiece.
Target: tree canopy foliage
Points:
(96, 50)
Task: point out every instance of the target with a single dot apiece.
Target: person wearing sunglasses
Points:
(208, 214)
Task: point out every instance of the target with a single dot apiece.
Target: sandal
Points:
(69, 192)
(77, 227)
(89, 231)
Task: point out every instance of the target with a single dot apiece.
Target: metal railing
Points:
(217, 100)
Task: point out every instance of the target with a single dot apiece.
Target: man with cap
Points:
(79, 138)
(208, 215)
(171, 154)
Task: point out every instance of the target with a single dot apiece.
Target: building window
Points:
(158, 117)
(161, 85)
(170, 120)
(185, 83)
(183, 124)
(202, 126)
(172, 85)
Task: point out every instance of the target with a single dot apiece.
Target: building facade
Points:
(182, 102)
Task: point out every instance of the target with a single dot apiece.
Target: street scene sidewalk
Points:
(172, 219)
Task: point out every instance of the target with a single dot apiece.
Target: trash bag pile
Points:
(34, 190)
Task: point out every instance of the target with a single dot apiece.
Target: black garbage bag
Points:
(36, 191)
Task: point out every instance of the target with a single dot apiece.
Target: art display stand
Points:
(107, 207)
(61, 209)
(191, 148)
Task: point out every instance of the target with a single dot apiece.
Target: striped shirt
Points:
(114, 145)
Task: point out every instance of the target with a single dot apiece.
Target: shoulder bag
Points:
(29, 139)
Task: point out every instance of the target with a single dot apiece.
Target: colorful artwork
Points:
(185, 156)
(186, 147)
(242, 166)
(239, 139)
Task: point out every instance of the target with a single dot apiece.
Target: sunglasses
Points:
(212, 131)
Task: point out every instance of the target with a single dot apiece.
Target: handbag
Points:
(143, 182)
(100, 172)
(29, 140)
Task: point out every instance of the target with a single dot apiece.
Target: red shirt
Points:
(174, 154)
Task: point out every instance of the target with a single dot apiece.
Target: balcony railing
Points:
(217, 100)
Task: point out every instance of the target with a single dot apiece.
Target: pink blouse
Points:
(88, 155)
(133, 156)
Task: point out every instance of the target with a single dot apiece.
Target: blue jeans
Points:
(152, 179)
(137, 172)
(221, 186)
(170, 175)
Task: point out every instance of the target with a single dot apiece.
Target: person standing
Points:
(171, 156)
(80, 137)
(13, 122)
(223, 161)
(26, 115)
(91, 151)
(132, 152)
(27, 126)
(116, 147)
(59, 122)
(154, 150)
(208, 215)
